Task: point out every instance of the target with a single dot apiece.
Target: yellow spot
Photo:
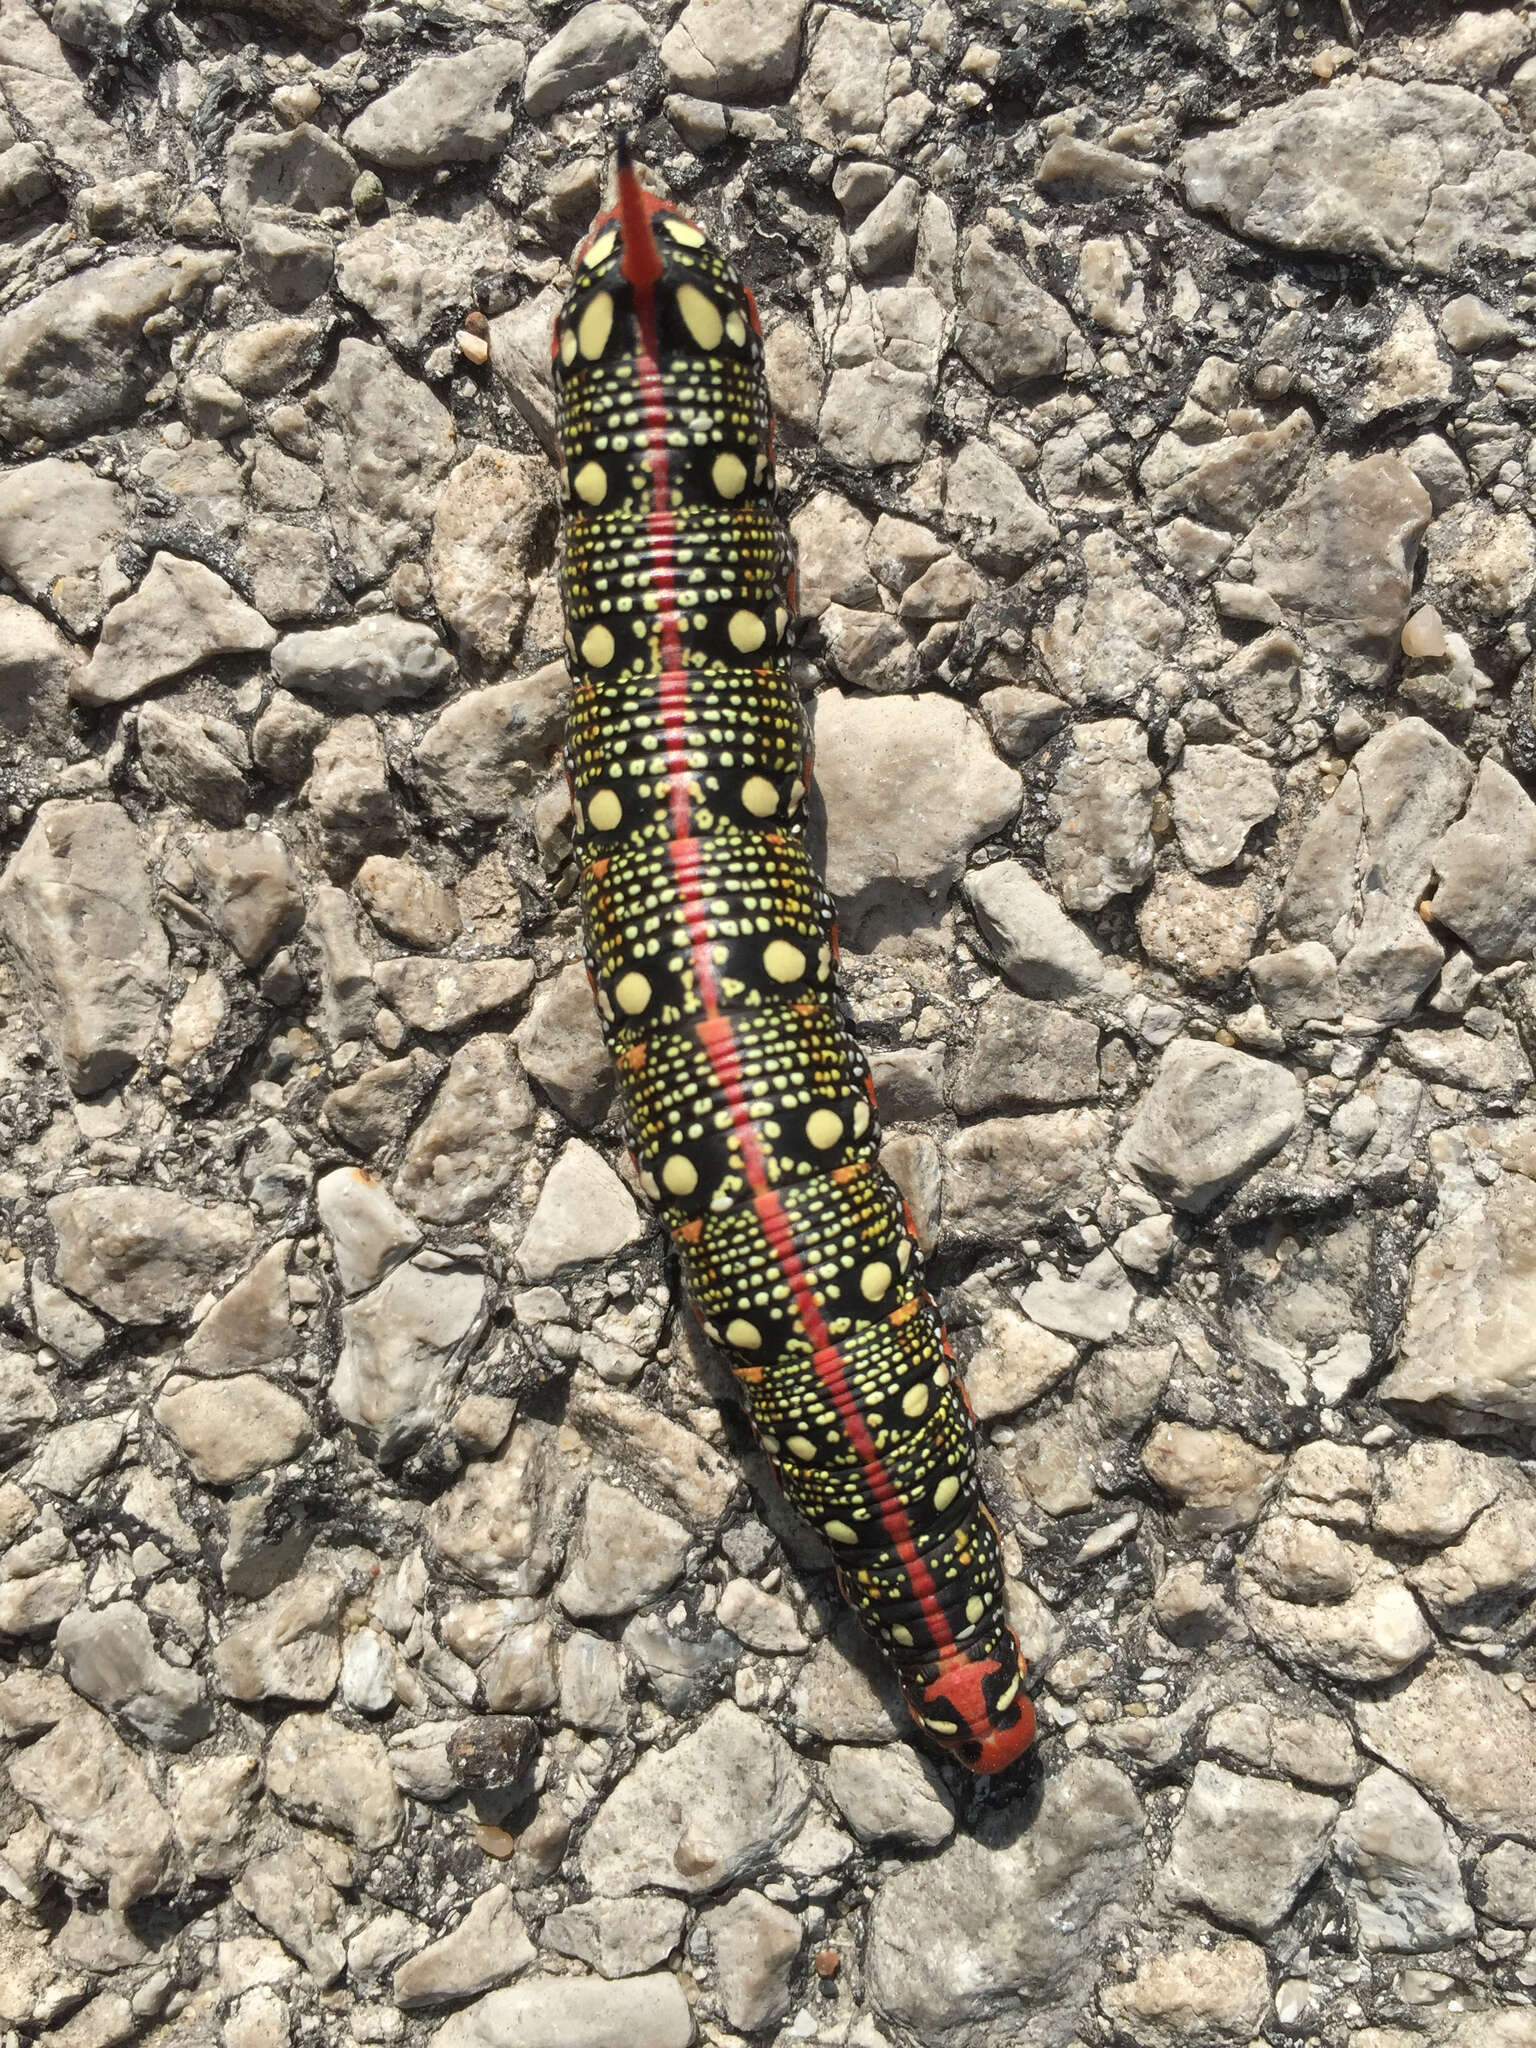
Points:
(943, 1376)
(780, 622)
(783, 961)
(591, 483)
(975, 1608)
(796, 794)
(760, 796)
(823, 1127)
(736, 328)
(1005, 1698)
(701, 316)
(568, 346)
(678, 1176)
(769, 1443)
(860, 1117)
(597, 647)
(595, 326)
(747, 632)
(729, 475)
(838, 1532)
(802, 1448)
(604, 811)
(945, 1492)
(941, 1727)
(901, 1635)
(904, 1253)
(683, 232)
(742, 1335)
(632, 994)
(648, 1182)
(601, 250)
(875, 1280)
(914, 1402)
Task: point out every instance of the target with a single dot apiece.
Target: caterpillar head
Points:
(975, 1706)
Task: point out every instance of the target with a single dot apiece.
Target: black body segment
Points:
(712, 953)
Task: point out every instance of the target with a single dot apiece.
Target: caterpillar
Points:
(711, 948)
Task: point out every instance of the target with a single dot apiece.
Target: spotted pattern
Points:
(711, 951)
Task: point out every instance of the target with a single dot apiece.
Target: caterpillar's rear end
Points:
(711, 948)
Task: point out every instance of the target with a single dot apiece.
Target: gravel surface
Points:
(401, 1640)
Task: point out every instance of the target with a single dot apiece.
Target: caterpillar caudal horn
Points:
(711, 949)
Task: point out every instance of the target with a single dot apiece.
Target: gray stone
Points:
(1486, 892)
(39, 674)
(390, 447)
(599, 42)
(911, 785)
(1224, 480)
(1101, 803)
(74, 358)
(890, 1796)
(1024, 1055)
(249, 1328)
(110, 1657)
(144, 1254)
(288, 1893)
(1465, 1741)
(575, 2012)
(584, 1212)
(561, 1047)
(231, 1428)
(181, 615)
(445, 995)
(1192, 1997)
(481, 756)
(77, 909)
(1003, 1896)
(1009, 1175)
(691, 1818)
(377, 660)
(289, 1646)
(444, 111)
(665, 1457)
(1219, 795)
(1202, 931)
(622, 1554)
(404, 1344)
(1211, 1115)
(329, 1776)
(984, 494)
(1011, 331)
(1409, 176)
(59, 522)
(1095, 1306)
(407, 903)
(499, 1525)
(1338, 557)
(1243, 1848)
(349, 793)
(755, 1944)
(195, 759)
(489, 1945)
(265, 358)
(490, 531)
(1401, 1872)
(845, 84)
(413, 275)
(617, 1937)
(92, 1792)
(733, 49)
(1035, 943)
(1100, 648)
(368, 1233)
(474, 1138)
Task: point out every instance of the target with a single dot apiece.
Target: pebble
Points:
(599, 42)
(755, 1944)
(889, 1795)
(585, 1212)
(1400, 1867)
(143, 1255)
(575, 2012)
(1243, 1848)
(489, 1945)
(1210, 1117)
(443, 112)
(622, 1554)
(403, 1346)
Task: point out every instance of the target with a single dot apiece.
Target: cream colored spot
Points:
(742, 1335)
(943, 1376)
(604, 811)
(760, 469)
(904, 1253)
(683, 232)
(941, 1727)
(568, 346)
(591, 483)
(802, 1448)
(632, 994)
(783, 961)
(901, 1635)
(597, 647)
(945, 1492)
(823, 1127)
(747, 632)
(736, 328)
(653, 1193)
(860, 1117)
(760, 796)
(975, 1608)
(770, 1444)
(838, 1532)
(595, 325)
(780, 622)
(796, 794)
(678, 1175)
(1005, 1697)
(601, 250)
(701, 316)
(729, 475)
(914, 1402)
(875, 1280)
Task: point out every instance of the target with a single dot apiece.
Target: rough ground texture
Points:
(399, 1641)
